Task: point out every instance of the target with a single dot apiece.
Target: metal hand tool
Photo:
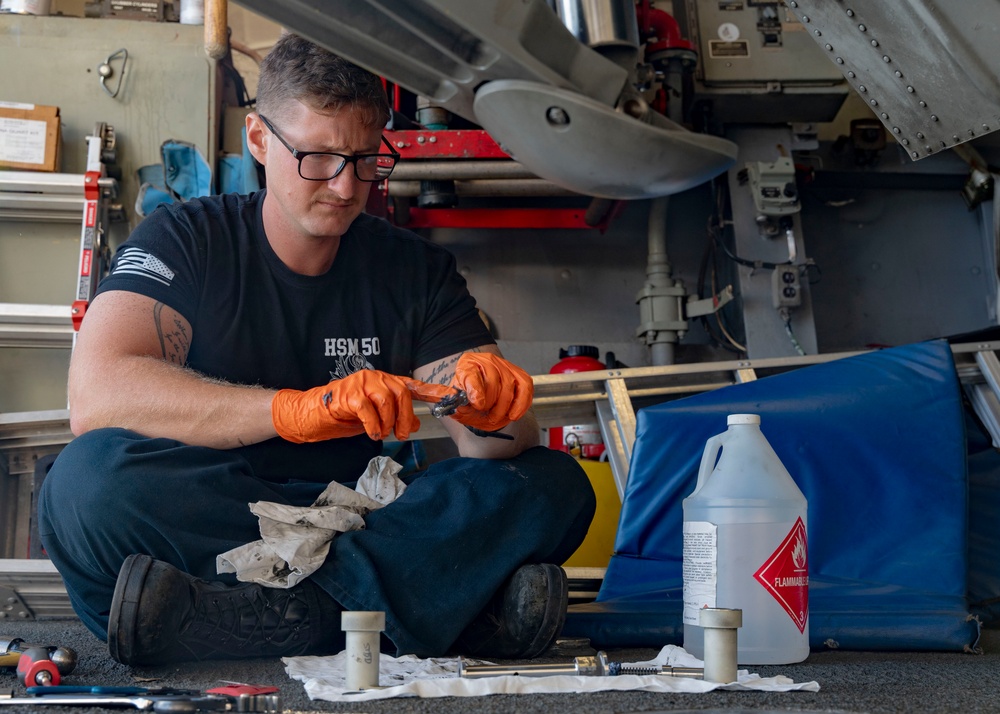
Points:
(114, 691)
(62, 657)
(596, 666)
(34, 667)
(250, 697)
(145, 703)
(448, 405)
(163, 704)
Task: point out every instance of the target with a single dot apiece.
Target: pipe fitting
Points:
(720, 625)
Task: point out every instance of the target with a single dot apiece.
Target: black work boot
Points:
(160, 614)
(523, 618)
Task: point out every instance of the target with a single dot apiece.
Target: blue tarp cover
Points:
(876, 443)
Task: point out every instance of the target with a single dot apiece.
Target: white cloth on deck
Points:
(409, 676)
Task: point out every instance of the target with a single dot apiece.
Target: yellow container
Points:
(598, 546)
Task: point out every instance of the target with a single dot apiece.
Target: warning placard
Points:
(786, 575)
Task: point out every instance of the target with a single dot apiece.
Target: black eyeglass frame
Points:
(348, 159)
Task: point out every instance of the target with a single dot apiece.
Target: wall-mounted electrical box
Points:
(757, 63)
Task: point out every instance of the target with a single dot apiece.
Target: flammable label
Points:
(785, 574)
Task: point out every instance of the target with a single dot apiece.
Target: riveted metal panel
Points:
(928, 69)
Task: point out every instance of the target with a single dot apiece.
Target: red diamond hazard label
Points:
(786, 575)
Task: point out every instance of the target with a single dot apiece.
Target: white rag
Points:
(296, 540)
(410, 676)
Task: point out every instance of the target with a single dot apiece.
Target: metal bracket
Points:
(12, 606)
(106, 71)
(697, 308)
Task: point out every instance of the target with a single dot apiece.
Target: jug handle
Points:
(712, 447)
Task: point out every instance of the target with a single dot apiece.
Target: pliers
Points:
(452, 402)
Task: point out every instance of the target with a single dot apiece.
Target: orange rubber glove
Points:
(499, 391)
(368, 401)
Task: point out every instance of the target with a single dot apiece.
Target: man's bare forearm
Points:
(159, 399)
(524, 431)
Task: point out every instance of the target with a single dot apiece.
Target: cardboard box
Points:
(69, 8)
(30, 137)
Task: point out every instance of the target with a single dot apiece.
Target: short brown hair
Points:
(297, 69)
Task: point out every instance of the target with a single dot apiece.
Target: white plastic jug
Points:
(745, 547)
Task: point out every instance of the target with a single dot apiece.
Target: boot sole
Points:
(555, 612)
(122, 620)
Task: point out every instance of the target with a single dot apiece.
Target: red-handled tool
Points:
(35, 668)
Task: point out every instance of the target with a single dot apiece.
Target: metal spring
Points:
(616, 668)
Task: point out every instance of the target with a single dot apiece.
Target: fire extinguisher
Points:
(582, 440)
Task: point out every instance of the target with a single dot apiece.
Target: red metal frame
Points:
(445, 144)
(495, 218)
(463, 144)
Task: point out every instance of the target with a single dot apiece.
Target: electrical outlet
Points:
(786, 290)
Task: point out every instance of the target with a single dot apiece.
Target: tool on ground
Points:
(720, 625)
(35, 668)
(164, 705)
(160, 703)
(111, 691)
(363, 634)
(62, 657)
(250, 697)
(596, 666)
(238, 689)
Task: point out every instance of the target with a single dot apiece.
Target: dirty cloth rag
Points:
(295, 540)
(410, 676)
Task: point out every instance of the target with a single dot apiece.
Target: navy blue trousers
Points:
(431, 560)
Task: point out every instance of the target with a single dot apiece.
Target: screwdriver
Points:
(596, 666)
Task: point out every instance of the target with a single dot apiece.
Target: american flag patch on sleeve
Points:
(135, 261)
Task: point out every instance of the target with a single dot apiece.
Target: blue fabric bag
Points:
(185, 174)
(876, 443)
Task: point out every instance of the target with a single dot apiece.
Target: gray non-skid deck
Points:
(849, 682)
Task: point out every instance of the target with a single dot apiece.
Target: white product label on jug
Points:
(700, 567)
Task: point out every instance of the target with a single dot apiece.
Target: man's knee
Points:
(81, 468)
(91, 475)
(561, 478)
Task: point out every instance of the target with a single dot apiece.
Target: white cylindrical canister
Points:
(362, 633)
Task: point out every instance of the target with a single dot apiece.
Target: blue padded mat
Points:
(876, 443)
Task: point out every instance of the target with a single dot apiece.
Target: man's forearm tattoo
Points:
(174, 341)
(444, 371)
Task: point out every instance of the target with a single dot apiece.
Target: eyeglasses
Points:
(325, 165)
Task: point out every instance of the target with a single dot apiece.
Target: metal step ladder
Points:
(611, 397)
(29, 587)
(985, 395)
(87, 199)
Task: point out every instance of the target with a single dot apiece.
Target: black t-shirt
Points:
(392, 301)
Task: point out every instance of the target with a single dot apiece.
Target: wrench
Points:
(263, 704)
